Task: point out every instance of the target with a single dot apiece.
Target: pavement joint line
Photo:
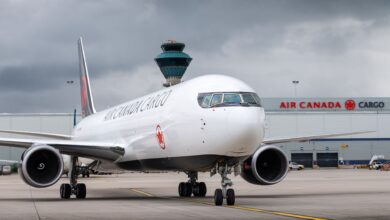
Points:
(35, 206)
(278, 213)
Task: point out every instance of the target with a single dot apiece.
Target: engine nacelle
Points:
(267, 166)
(42, 166)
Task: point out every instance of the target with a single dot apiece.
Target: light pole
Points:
(71, 82)
(295, 83)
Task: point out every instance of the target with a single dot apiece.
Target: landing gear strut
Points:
(186, 189)
(74, 188)
(220, 194)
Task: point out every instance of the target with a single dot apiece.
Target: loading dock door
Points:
(327, 159)
(305, 159)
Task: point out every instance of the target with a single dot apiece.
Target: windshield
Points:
(218, 99)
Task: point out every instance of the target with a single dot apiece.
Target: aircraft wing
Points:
(95, 150)
(38, 134)
(309, 138)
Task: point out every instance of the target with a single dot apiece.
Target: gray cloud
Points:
(335, 48)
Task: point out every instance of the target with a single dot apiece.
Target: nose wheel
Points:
(230, 197)
(74, 188)
(224, 192)
(192, 187)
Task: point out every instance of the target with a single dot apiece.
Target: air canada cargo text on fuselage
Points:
(349, 105)
(150, 102)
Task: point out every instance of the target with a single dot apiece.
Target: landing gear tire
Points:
(188, 190)
(181, 189)
(196, 190)
(202, 189)
(199, 189)
(74, 188)
(230, 197)
(65, 191)
(218, 197)
(81, 191)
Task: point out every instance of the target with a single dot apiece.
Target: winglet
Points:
(87, 106)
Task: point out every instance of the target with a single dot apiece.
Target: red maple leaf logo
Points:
(160, 137)
(350, 104)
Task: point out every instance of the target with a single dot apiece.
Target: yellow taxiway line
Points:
(285, 214)
(278, 213)
(142, 192)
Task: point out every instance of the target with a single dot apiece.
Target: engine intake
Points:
(42, 166)
(267, 166)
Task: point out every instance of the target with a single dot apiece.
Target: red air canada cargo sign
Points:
(349, 105)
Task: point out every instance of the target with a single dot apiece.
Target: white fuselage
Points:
(186, 129)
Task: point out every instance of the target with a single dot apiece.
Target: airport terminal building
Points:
(285, 117)
(310, 116)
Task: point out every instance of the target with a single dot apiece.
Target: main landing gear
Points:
(74, 188)
(186, 189)
(220, 194)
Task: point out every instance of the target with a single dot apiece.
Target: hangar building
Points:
(285, 117)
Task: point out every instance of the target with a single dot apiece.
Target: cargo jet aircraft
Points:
(212, 123)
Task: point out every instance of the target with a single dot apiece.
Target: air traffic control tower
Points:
(173, 62)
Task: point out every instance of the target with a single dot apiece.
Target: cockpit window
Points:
(257, 98)
(217, 99)
(231, 98)
(206, 100)
(248, 98)
(211, 100)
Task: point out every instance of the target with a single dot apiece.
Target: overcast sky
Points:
(334, 48)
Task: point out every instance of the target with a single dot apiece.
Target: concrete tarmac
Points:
(308, 194)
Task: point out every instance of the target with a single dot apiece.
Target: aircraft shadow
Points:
(302, 195)
(139, 198)
(159, 198)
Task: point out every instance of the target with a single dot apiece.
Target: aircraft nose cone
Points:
(245, 128)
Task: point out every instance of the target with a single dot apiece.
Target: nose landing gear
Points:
(74, 188)
(220, 194)
(198, 189)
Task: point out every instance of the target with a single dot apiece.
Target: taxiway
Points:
(308, 194)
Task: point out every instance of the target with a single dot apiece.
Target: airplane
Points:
(212, 123)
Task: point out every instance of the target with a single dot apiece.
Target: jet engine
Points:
(42, 166)
(267, 166)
